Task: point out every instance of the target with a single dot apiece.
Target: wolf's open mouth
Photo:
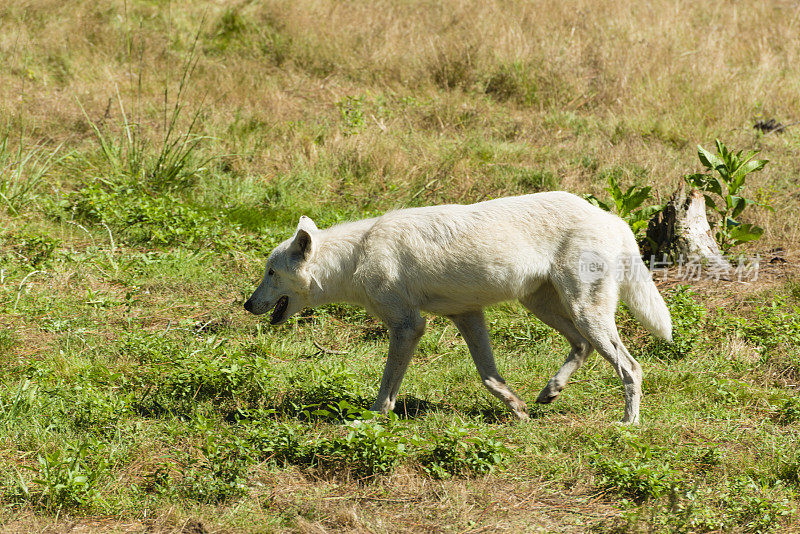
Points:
(280, 309)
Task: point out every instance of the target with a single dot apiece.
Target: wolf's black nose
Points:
(248, 306)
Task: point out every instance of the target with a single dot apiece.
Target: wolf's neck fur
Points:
(335, 261)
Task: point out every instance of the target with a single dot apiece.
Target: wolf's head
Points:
(287, 284)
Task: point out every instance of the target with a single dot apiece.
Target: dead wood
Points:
(680, 233)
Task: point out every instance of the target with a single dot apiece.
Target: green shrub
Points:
(219, 473)
(771, 326)
(456, 453)
(628, 204)
(728, 390)
(790, 412)
(688, 319)
(737, 505)
(774, 330)
(634, 468)
(752, 509)
(67, 478)
(351, 111)
(709, 458)
(36, 248)
(231, 381)
(280, 443)
(668, 499)
(141, 218)
(90, 408)
(636, 479)
(327, 393)
(148, 347)
(787, 469)
(371, 448)
(727, 184)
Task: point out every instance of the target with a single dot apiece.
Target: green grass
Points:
(136, 392)
(153, 389)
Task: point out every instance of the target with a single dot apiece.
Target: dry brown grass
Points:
(414, 504)
(624, 85)
(711, 63)
(689, 70)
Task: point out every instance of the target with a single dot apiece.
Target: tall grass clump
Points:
(22, 170)
(142, 180)
(170, 162)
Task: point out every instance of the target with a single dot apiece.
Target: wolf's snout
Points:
(249, 305)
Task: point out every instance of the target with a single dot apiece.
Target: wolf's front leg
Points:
(473, 329)
(403, 338)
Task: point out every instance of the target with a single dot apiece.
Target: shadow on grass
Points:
(493, 413)
(414, 408)
(332, 407)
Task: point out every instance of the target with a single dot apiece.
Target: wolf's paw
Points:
(520, 409)
(382, 407)
(626, 423)
(548, 395)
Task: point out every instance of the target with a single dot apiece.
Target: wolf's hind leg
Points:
(546, 305)
(592, 309)
(473, 329)
(403, 338)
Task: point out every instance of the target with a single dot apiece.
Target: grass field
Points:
(152, 153)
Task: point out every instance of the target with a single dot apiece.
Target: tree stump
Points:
(680, 233)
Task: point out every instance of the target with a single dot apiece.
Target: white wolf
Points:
(565, 260)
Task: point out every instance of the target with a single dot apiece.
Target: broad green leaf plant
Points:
(627, 204)
(727, 172)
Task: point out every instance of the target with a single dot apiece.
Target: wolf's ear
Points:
(302, 245)
(306, 224)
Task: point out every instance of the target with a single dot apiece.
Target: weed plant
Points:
(726, 179)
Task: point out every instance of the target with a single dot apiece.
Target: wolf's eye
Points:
(271, 272)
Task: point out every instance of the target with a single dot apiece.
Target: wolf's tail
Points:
(646, 304)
